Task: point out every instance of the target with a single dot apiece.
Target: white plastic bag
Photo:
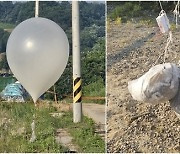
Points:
(163, 22)
(160, 83)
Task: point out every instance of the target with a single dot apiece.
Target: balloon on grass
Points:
(37, 54)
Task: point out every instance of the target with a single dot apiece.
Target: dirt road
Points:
(97, 113)
(132, 49)
(94, 111)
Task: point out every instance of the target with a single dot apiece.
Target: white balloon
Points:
(37, 53)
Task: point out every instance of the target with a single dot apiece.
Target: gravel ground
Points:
(132, 49)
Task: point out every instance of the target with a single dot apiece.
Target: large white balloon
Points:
(37, 53)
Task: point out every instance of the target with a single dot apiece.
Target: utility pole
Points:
(37, 8)
(77, 92)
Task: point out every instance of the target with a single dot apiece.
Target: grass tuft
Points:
(15, 130)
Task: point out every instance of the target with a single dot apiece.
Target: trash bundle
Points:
(160, 83)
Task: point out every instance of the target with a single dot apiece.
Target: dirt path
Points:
(97, 113)
(94, 111)
(62, 135)
(64, 138)
(132, 49)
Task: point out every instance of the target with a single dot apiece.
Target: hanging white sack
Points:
(160, 83)
(163, 22)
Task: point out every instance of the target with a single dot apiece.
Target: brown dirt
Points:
(64, 138)
(61, 106)
(132, 126)
(91, 110)
(97, 113)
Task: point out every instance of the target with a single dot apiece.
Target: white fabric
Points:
(33, 136)
(160, 83)
(163, 22)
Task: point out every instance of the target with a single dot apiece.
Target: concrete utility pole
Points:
(37, 9)
(77, 93)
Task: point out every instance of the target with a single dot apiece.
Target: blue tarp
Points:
(14, 92)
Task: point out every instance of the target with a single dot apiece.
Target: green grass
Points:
(4, 81)
(15, 130)
(142, 16)
(83, 134)
(123, 11)
(6, 25)
(95, 89)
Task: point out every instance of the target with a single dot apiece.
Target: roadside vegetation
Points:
(83, 133)
(142, 11)
(4, 81)
(15, 130)
(6, 25)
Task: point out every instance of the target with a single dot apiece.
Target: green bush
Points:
(128, 10)
(3, 40)
(95, 89)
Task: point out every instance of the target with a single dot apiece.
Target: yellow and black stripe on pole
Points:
(77, 91)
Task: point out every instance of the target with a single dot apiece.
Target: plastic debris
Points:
(14, 92)
(33, 136)
(160, 83)
(163, 22)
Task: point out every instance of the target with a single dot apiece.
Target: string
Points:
(176, 13)
(169, 40)
(33, 135)
(160, 5)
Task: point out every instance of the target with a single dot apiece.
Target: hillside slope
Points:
(132, 126)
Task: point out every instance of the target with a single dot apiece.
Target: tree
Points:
(4, 63)
(90, 35)
(3, 40)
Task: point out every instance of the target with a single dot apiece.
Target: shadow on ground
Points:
(116, 57)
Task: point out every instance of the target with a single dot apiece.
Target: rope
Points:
(169, 40)
(160, 5)
(176, 13)
(33, 136)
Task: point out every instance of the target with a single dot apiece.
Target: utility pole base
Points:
(77, 112)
